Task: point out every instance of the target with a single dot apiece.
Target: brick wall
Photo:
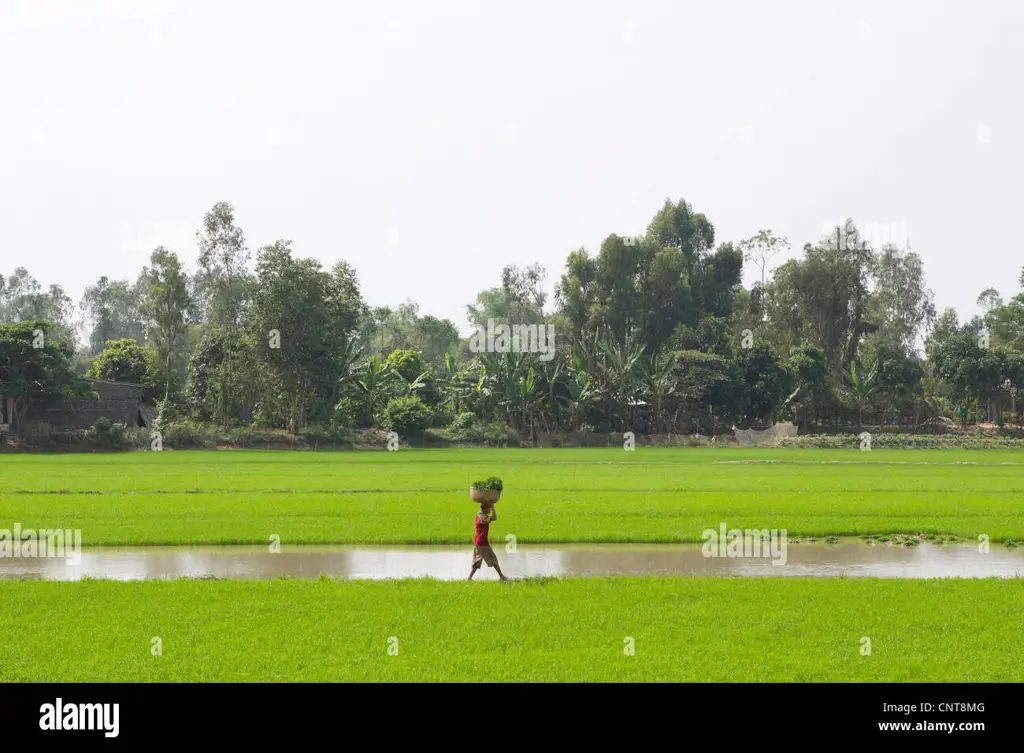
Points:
(82, 414)
(117, 391)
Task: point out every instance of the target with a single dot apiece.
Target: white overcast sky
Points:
(430, 142)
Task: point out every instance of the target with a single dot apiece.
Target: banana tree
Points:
(659, 382)
(512, 380)
(622, 366)
(409, 388)
(589, 390)
(458, 384)
(346, 360)
(372, 386)
(863, 389)
(555, 384)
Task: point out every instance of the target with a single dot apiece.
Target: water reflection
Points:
(853, 559)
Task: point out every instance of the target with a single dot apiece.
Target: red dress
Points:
(480, 539)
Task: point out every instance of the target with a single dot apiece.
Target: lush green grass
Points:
(685, 629)
(558, 495)
(700, 629)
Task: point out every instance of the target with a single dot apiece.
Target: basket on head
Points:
(484, 495)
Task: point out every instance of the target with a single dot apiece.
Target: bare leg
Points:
(500, 574)
(472, 571)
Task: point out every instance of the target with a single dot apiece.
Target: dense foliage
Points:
(653, 334)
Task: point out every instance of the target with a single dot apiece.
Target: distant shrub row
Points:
(465, 429)
(905, 442)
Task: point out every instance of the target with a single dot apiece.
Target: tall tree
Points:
(34, 367)
(1004, 321)
(576, 292)
(764, 381)
(223, 267)
(649, 287)
(22, 299)
(165, 306)
(972, 370)
(679, 226)
(111, 310)
(519, 300)
(126, 361)
(668, 301)
(902, 306)
(301, 318)
(947, 326)
(822, 299)
(718, 279)
(809, 368)
(383, 330)
(760, 249)
(706, 388)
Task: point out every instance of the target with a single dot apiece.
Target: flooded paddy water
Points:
(848, 558)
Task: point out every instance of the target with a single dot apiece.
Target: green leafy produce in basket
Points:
(493, 484)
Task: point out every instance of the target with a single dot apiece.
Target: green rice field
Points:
(557, 495)
(644, 628)
(682, 629)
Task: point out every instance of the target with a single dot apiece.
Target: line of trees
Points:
(653, 333)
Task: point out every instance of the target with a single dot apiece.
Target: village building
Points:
(120, 402)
